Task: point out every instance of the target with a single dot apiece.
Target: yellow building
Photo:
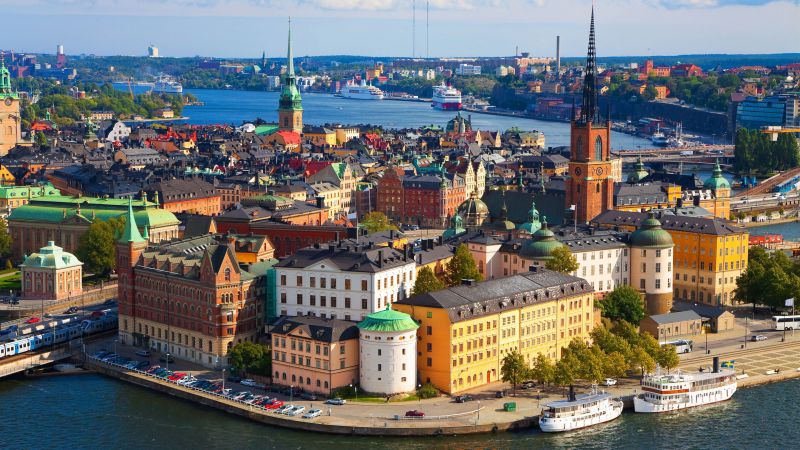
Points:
(319, 136)
(466, 331)
(6, 177)
(710, 253)
(10, 129)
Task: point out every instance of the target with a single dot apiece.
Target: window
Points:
(283, 297)
(313, 282)
(283, 280)
(347, 284)
(429, 330)
(644, 267)
(312, 299)
(347, 302)
(641, 283)
(323, 282)
(379, 367)
(299, 299)
(658, 283)
(658, 267)
(429, 362)
(598, 149)
(333, 283)
(429, 347)
(363, 285)
(333, 302)
(299, 280)
(363, 303)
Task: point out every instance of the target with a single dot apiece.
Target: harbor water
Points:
(236, 107)
(95, 412)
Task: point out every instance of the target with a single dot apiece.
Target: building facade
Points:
(10, 118)
(388, 352)
(51, 274)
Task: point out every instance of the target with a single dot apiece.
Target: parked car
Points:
(528, 384)
(296, 411)
(610, 382)
(415, 413)
(312, 414)
(143, 353)
(308, 396)
(33, 320)
(463, 398)
(252, 383)
(499, 394)
(283, 408)
(758, 338)
(71, 310)
(336, 401)
(274, 404)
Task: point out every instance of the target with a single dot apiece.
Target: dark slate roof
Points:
(324, 330)
(588, 239)
(639, 194)
(686, 182)
(196, 224)
(708, 311)
(518, 204)
(181, 189)
(704, 225)
(466, 302)
(682, 316)
(422, 181)
(550, 161)
(365, 258)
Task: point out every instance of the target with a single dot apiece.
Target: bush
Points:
(344, 392)
(427, 391)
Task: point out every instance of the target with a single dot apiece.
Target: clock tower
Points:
(290, 105)
(10, 129)
(590, 186)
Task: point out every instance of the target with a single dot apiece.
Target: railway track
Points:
(740, 352)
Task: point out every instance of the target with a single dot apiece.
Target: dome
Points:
(533, 224)
(388, 320)
(542, 244)
(650, 234)
(639, 173)
(502, 223)
(456, 227)
(51, 257)
(473, 211)
(717, 181)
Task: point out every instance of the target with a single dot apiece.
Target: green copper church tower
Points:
(290, 106)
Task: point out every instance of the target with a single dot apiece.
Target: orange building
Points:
(318, 355)
(186, 195)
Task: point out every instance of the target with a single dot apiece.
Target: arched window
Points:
(228, 274)
(598, 149)
(597, 188)
(579, 148)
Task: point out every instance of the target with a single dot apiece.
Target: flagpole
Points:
(575, 219)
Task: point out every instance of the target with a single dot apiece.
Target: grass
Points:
(409, 398)
(11, 282)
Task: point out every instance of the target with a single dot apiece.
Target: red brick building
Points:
(191, 195)
(192, 298)
(424, 200)
(686, 71)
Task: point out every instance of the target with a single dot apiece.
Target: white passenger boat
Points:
(678, 390)
(579, 412)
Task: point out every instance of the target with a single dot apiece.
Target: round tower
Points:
(388, 352)
(539, 249)
(651, 265)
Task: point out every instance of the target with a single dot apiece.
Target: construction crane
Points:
(774, 131)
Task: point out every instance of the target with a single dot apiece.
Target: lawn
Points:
(11, 282)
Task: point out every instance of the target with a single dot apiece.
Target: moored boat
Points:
(579, 412)
(678, 390)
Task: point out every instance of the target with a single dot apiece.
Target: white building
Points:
(152, 51)
(468, 69)
(343, 281)
(388, 352)
(273, 82)
(117, 131)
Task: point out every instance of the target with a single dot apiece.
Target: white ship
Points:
(446, 97)
(579, 412)
(679, 390)
(361, 92)
(166, 85)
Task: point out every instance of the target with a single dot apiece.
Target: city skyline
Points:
(457, 28)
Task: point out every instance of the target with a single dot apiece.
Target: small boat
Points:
(579, 412)
(678, 390)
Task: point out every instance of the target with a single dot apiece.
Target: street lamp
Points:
(167, 358)
(291, 393)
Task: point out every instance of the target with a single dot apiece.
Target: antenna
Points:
(413, 29)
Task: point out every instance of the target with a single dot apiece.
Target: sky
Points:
(245, 28)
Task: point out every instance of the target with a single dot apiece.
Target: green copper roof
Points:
(14, 192)
(131, 231)
(650, 234)
(388, 321)
(533, 224)
(5, 80)
(340, 169)
(456, 227)
(717, 181)
(639, 173)
(60, 208)
(51, 257)
(266, 129)
(542, 244)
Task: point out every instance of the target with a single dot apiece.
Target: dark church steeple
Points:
(589, 110)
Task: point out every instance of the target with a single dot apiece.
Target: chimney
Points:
(716, 364)
(380, 258)
(571, 393)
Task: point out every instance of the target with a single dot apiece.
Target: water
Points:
(92, 411)
(235, 107)
(789, 230)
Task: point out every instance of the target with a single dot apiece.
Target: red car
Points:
(274, 405)
(176, 376)
(415, 413)
(33, 320)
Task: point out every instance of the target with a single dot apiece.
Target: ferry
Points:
(361, 92)
(446, 97)
(579, 412)
(166, 85)
(672, 392)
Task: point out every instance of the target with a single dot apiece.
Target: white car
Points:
(251, 383)
(336, 401)
(312, 414)
(296, 411)
(284, 409)
(610, 382)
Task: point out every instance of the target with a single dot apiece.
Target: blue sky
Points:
(243, 28)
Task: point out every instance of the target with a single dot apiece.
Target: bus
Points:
(786, 322)
(681, 345)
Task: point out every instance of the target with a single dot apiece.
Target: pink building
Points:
(51, 274)
(318, 355)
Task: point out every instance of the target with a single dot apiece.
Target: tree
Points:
(642, 360)
(623, 303)
(543, 370)
(41, 139)
(247, 356)
(376, 221)
(667, 357)
(461, 267)
(514, 370)
(5, 240)
(427, 391)
(562, 261)
(97, 247)
(564, 374)
(426, 282)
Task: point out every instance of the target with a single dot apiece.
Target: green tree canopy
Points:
(623, 303)
(562, 261)
(514, 369)
(376, 221)
(770, 278)
(543, 370)
(426, 282)
(247, 357)
(5, 240)
(461, 267)
(97, 248)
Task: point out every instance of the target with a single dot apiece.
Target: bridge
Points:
(673, 150)
(770, 183)
(32, 360)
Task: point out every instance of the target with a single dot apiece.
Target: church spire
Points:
(589, 107)
(131, 232)
(289, 57)
(5, 76)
